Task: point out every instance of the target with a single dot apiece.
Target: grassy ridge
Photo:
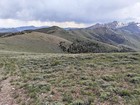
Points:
(73, 79)
(47, 40)
(32, 42)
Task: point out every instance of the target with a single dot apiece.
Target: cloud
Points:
(78, 11)
(7, 23)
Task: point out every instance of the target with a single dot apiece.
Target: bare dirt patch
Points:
(6, 91)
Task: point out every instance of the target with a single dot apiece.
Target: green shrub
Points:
(104, 95)
(67, 97)
(55, 63)
(108, 78)
(124, 92)
(78, 102)
(135, 80)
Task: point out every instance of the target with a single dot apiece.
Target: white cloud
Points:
(6, 23)
(69, 11)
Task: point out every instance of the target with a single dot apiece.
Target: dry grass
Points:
(69, 79)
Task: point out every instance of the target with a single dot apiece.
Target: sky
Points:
(67, 13)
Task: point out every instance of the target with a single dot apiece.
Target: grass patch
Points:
(73, 79)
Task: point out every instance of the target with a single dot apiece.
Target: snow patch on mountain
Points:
(112, 25)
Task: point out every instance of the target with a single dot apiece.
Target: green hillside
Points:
(49, 40)
(32, 42)
(106, 38)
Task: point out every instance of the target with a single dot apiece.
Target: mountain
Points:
(107, 34)
(109, 37)
(19, 29)
(26, 28)
(6, 30)
(112, 25)
(132, 27)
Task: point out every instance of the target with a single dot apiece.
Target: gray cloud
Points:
(80, 11)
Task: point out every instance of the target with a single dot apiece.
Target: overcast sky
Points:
(67, 13)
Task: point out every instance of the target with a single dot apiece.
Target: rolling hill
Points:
(109, 37)
(32, 42)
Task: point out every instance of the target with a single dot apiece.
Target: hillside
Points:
(109, 37)
(32, 42)
(104, 36)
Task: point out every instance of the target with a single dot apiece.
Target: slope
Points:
(32, 42)
(104, 38)
(55, 40)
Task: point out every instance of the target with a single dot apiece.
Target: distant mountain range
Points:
(19, 29)
(112, 25)
(132, 26)
(109, 37)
